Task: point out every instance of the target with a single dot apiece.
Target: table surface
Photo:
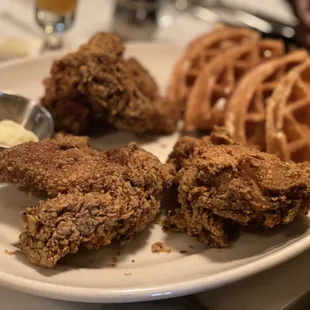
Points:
(270, 290)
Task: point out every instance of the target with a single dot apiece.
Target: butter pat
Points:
(16, 47)
(12, 133)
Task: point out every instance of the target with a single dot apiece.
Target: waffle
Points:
(288, 116)
(245, 115)
(199, 52)
(207, 102)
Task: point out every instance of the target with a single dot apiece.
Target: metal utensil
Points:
(27, 113)
(217, 11)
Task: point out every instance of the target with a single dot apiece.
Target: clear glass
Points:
(55, 17)
(171, 9)
(136, 19)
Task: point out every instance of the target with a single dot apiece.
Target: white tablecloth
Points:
(270, 290)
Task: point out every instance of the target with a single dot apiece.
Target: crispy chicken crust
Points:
(143, 79)
(223, 187)
(96, 82)
(94, 197)
(79, 142)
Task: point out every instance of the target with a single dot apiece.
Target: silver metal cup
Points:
(27, 113)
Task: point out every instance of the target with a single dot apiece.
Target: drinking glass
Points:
(171, 10)
(136, 19)
(55, 17)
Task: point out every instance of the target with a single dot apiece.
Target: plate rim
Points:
(180, 288)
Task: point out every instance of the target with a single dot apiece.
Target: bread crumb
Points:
(127, 273)
(183, 252)
(112, 265)
(133, 261)
(114, 259)
(163, 145)
(159, 247)
(6, 251)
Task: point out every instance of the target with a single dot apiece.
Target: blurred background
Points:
(30, 27)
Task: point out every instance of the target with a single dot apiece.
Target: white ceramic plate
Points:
(86, 276)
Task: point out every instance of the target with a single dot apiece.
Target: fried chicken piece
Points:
(97, 83)
(223, 187)
(95, 197)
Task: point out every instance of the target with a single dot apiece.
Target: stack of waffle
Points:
(261, 94)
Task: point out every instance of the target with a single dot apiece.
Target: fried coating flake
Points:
(94, 197)
(223, 187)
(159, 247)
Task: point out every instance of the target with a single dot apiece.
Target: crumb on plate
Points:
(6, 251)
(159, 247)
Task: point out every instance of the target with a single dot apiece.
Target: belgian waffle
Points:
(208, 99)
(288, 116)
(199, 52)
(245, 116)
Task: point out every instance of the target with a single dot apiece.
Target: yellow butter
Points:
(12, 133)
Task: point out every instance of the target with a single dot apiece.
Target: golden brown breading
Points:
(79, 142)
(53, 167)
(221, 186)
(94, 196)
(62, 225)
(105, 43)
(96, 83)
(143, 79)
